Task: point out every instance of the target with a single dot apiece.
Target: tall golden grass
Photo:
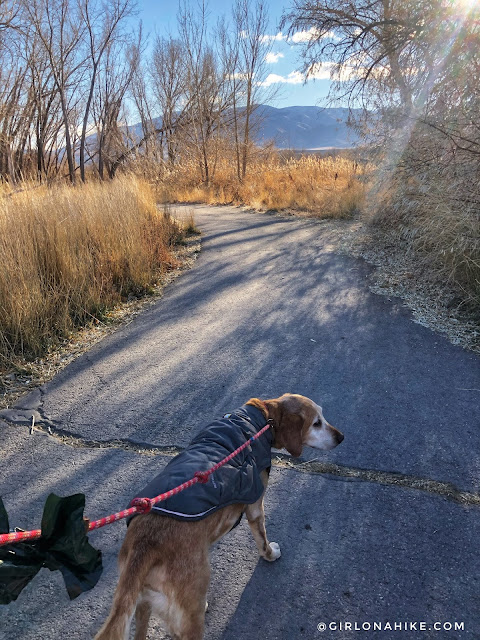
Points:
(68, 254)
(324, 187)
(436, 215)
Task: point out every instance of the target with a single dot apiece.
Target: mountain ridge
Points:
(304, 127)
(297, 127)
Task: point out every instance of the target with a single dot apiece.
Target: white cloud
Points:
(237, 76)
(294, 77)
(305, 36)
(272, 78)
(271, 38)
(271, 57)
(321, 71)
(327, 70)
(296, 38)
(316, 72)
(312, 34)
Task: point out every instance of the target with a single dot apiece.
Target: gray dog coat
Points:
(238, 481)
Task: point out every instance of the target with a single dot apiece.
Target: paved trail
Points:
(270, 307)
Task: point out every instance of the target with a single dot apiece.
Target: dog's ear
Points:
(291, 434)
(288, 425)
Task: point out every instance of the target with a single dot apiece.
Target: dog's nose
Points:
(338, 435)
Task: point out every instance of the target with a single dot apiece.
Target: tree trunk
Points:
(85, 122)
(68, 141)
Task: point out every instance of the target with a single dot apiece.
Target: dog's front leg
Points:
(256, 519)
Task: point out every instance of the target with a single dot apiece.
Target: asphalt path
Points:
(269, 307)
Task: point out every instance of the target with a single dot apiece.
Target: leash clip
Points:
(272, 428)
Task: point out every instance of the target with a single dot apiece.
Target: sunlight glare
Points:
(466, 6)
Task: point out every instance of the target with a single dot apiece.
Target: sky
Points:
(283, 64)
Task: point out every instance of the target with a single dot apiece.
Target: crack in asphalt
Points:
(389, 478)
(314, 467)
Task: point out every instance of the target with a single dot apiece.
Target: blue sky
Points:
(159, 16)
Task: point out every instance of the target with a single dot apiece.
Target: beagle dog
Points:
(164, 560)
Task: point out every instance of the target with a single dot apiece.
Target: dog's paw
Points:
(273, 552)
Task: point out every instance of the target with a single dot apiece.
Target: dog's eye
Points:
(317, 423)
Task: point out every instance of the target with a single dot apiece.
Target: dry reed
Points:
(69, 254)
(324, 187)
(436, 215)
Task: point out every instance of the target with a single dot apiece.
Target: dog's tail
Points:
(133, 572)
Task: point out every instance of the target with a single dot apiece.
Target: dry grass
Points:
(436, 216)
(188, 224)
(324, 187)
(69, 254)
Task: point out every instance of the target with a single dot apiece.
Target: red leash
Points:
(139, 505)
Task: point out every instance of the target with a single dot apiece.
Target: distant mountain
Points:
(300, 128)
(304, 127)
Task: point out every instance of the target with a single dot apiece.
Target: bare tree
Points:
(250, 25)
(103, 23)
(9, 11)
(13, 93)
(116, 72)
(46, 110)
(206, 90)
(60, 30)
(229, 44)
(380, 52)
(394, 58)
(168, 77)
(11, 79)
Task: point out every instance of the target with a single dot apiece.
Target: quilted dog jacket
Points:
(238, 481)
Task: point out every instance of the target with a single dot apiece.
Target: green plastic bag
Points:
(63, 546)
